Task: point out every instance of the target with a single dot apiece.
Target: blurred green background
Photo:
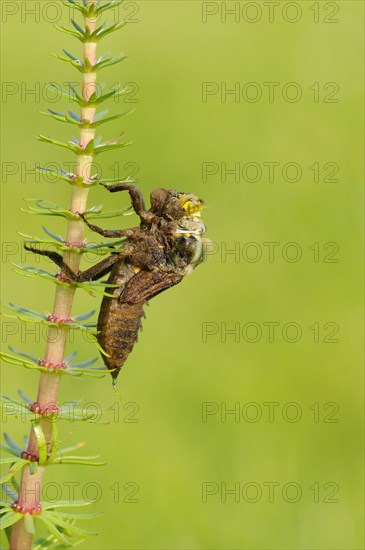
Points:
(164, 459)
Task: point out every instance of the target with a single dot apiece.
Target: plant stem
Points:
(31, 485)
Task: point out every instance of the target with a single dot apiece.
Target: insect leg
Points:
(91, 274)
(135, 195)
(108, 233)
(99, 270)
(56, 258)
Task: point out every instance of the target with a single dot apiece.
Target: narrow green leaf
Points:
(28, 356)
(75, 64)
(110, 147)
(61, 117)
(69, 515)
(77, 27)
(15, 361)
(54, 443)
(70, 529)
(70, 146)
(104, 97)
(41, 441)
(77, 95)
(65, 30)
(85, 363)
(111, 214)
(47, 208)
(14, 469)
(108, 62)
(60, 174)
(109, 6)
(74, 96)
(20, 309)
(72, 448)
(12, 443)
(75, 116)
(75, 5)
(5, 507)
(103, 31)
(67, 504)
(101, 121)
(71, 357)
(20, 392)
(10, 450)
(53, 529)
(53, 235)
(9, 519)
(73, 57)
(89, 149)
(87, 66)
(29, 524)
(81, 460)
(33, 468)
(11, 489)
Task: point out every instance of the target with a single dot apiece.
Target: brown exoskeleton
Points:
(155, 256)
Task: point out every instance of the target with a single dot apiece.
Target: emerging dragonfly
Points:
(155, 256)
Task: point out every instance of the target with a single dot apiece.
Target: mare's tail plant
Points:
(22, 508)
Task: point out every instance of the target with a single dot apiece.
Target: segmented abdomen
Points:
(119, 322)
(120, 316)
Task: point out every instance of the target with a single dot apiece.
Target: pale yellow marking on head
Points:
(192, 206)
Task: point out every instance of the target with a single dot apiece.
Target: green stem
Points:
(31, 484)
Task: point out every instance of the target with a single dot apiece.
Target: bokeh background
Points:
(160, 452)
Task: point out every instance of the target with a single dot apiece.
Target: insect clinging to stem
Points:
(167, 246)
